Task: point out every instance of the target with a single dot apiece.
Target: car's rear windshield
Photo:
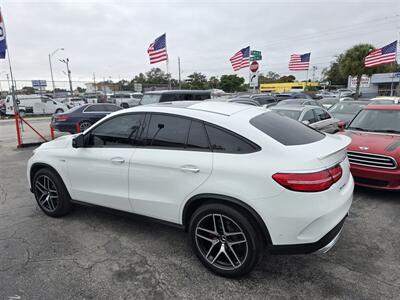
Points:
(150, 99)
(284, 130)
(293, 114)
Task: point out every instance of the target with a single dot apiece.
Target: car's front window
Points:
(377, 121)
(150, 99)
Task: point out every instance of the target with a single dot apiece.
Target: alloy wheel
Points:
(221, 241)
(46, 193)
(84, 125)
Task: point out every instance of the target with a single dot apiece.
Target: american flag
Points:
(241, 59)
(382, 55)
(158, 50)
(299, 62)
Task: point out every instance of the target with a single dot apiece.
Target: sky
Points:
(110, 38)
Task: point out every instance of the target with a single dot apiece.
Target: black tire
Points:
(124, 105)
(62, 205)
(83, 125)
(245, 255)
(59, 111)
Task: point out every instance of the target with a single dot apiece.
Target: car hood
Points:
(60, 142)
(376, 143)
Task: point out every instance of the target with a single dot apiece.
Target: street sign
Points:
(396, 75)
(255, 55)
(254, 79)
(39, 83)
(138, 87)
(254, 66)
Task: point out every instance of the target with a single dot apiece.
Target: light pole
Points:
(66, 62)
(51, 69)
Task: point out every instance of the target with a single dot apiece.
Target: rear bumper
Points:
(321, 246)
(64, 127)
(377, 178)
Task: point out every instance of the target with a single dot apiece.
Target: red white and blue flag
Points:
(3, 43)
(158, 50)
(241, 59)
(381, 56)
(299, 62)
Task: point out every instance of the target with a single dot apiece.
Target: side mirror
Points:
(306, 122)
(78, 141)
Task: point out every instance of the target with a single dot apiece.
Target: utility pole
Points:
(66, 62)
(51, 69)
(179, 70)
(8, 81)
(314, 68)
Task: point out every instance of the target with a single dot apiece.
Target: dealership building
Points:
(380, 84)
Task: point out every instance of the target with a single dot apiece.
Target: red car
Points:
(374, 152)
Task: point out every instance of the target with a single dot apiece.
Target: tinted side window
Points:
(309, 116)
(95, 108)
(284, 130)
(197, 139)
(223, 141)
(120, 131)
(168, 98)
(321, 114)
(111, 107)
(167, 131)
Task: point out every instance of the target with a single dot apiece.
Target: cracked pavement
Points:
(96, 254)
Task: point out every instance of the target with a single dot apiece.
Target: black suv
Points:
(174, 95)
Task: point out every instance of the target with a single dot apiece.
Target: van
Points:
(175, 95)
(34, 104)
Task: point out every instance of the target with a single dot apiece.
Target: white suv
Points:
(238, 178)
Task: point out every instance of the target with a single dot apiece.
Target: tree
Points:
(285, 78)
(156, 76)
(80, 90)
(196, 81)
(213, 82)
(232, 83)
(28, 90)
(352, 63)
(333, 74)
(270, 77)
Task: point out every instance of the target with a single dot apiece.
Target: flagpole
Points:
(15, 104)
(167, 63)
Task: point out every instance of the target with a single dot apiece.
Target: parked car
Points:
(238, 179)
(326, 94)
(345, 111)
(374, 152)
(301, 102)
(264, 100)
(385, 100)
(328, 102)
(284, 96)
(72, 101)
(314, 116)
(126, 99)
(175, 95)
(247, 101)
(82, 116)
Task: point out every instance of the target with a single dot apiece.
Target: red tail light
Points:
(61, 118)
(309, 182)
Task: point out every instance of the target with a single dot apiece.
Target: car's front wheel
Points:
(224, 240)
(51, 193)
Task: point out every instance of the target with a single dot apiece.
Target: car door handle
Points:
(117, 160)
(192, 169)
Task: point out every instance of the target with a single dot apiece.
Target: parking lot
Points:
(94, 253)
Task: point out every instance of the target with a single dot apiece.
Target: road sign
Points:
(396, 75)
(137, 87)
(254, 66)
(255, 55)
(39, 83)
(254, 79)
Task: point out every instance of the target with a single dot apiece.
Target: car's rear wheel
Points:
(124, 105)
(84, 125)
(224, 240)
(50, 193)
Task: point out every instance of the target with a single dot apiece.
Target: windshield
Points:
(150, 99)
(346, 108)
(383, 101)
(293, 114)
(291, 102)
(377, 121)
